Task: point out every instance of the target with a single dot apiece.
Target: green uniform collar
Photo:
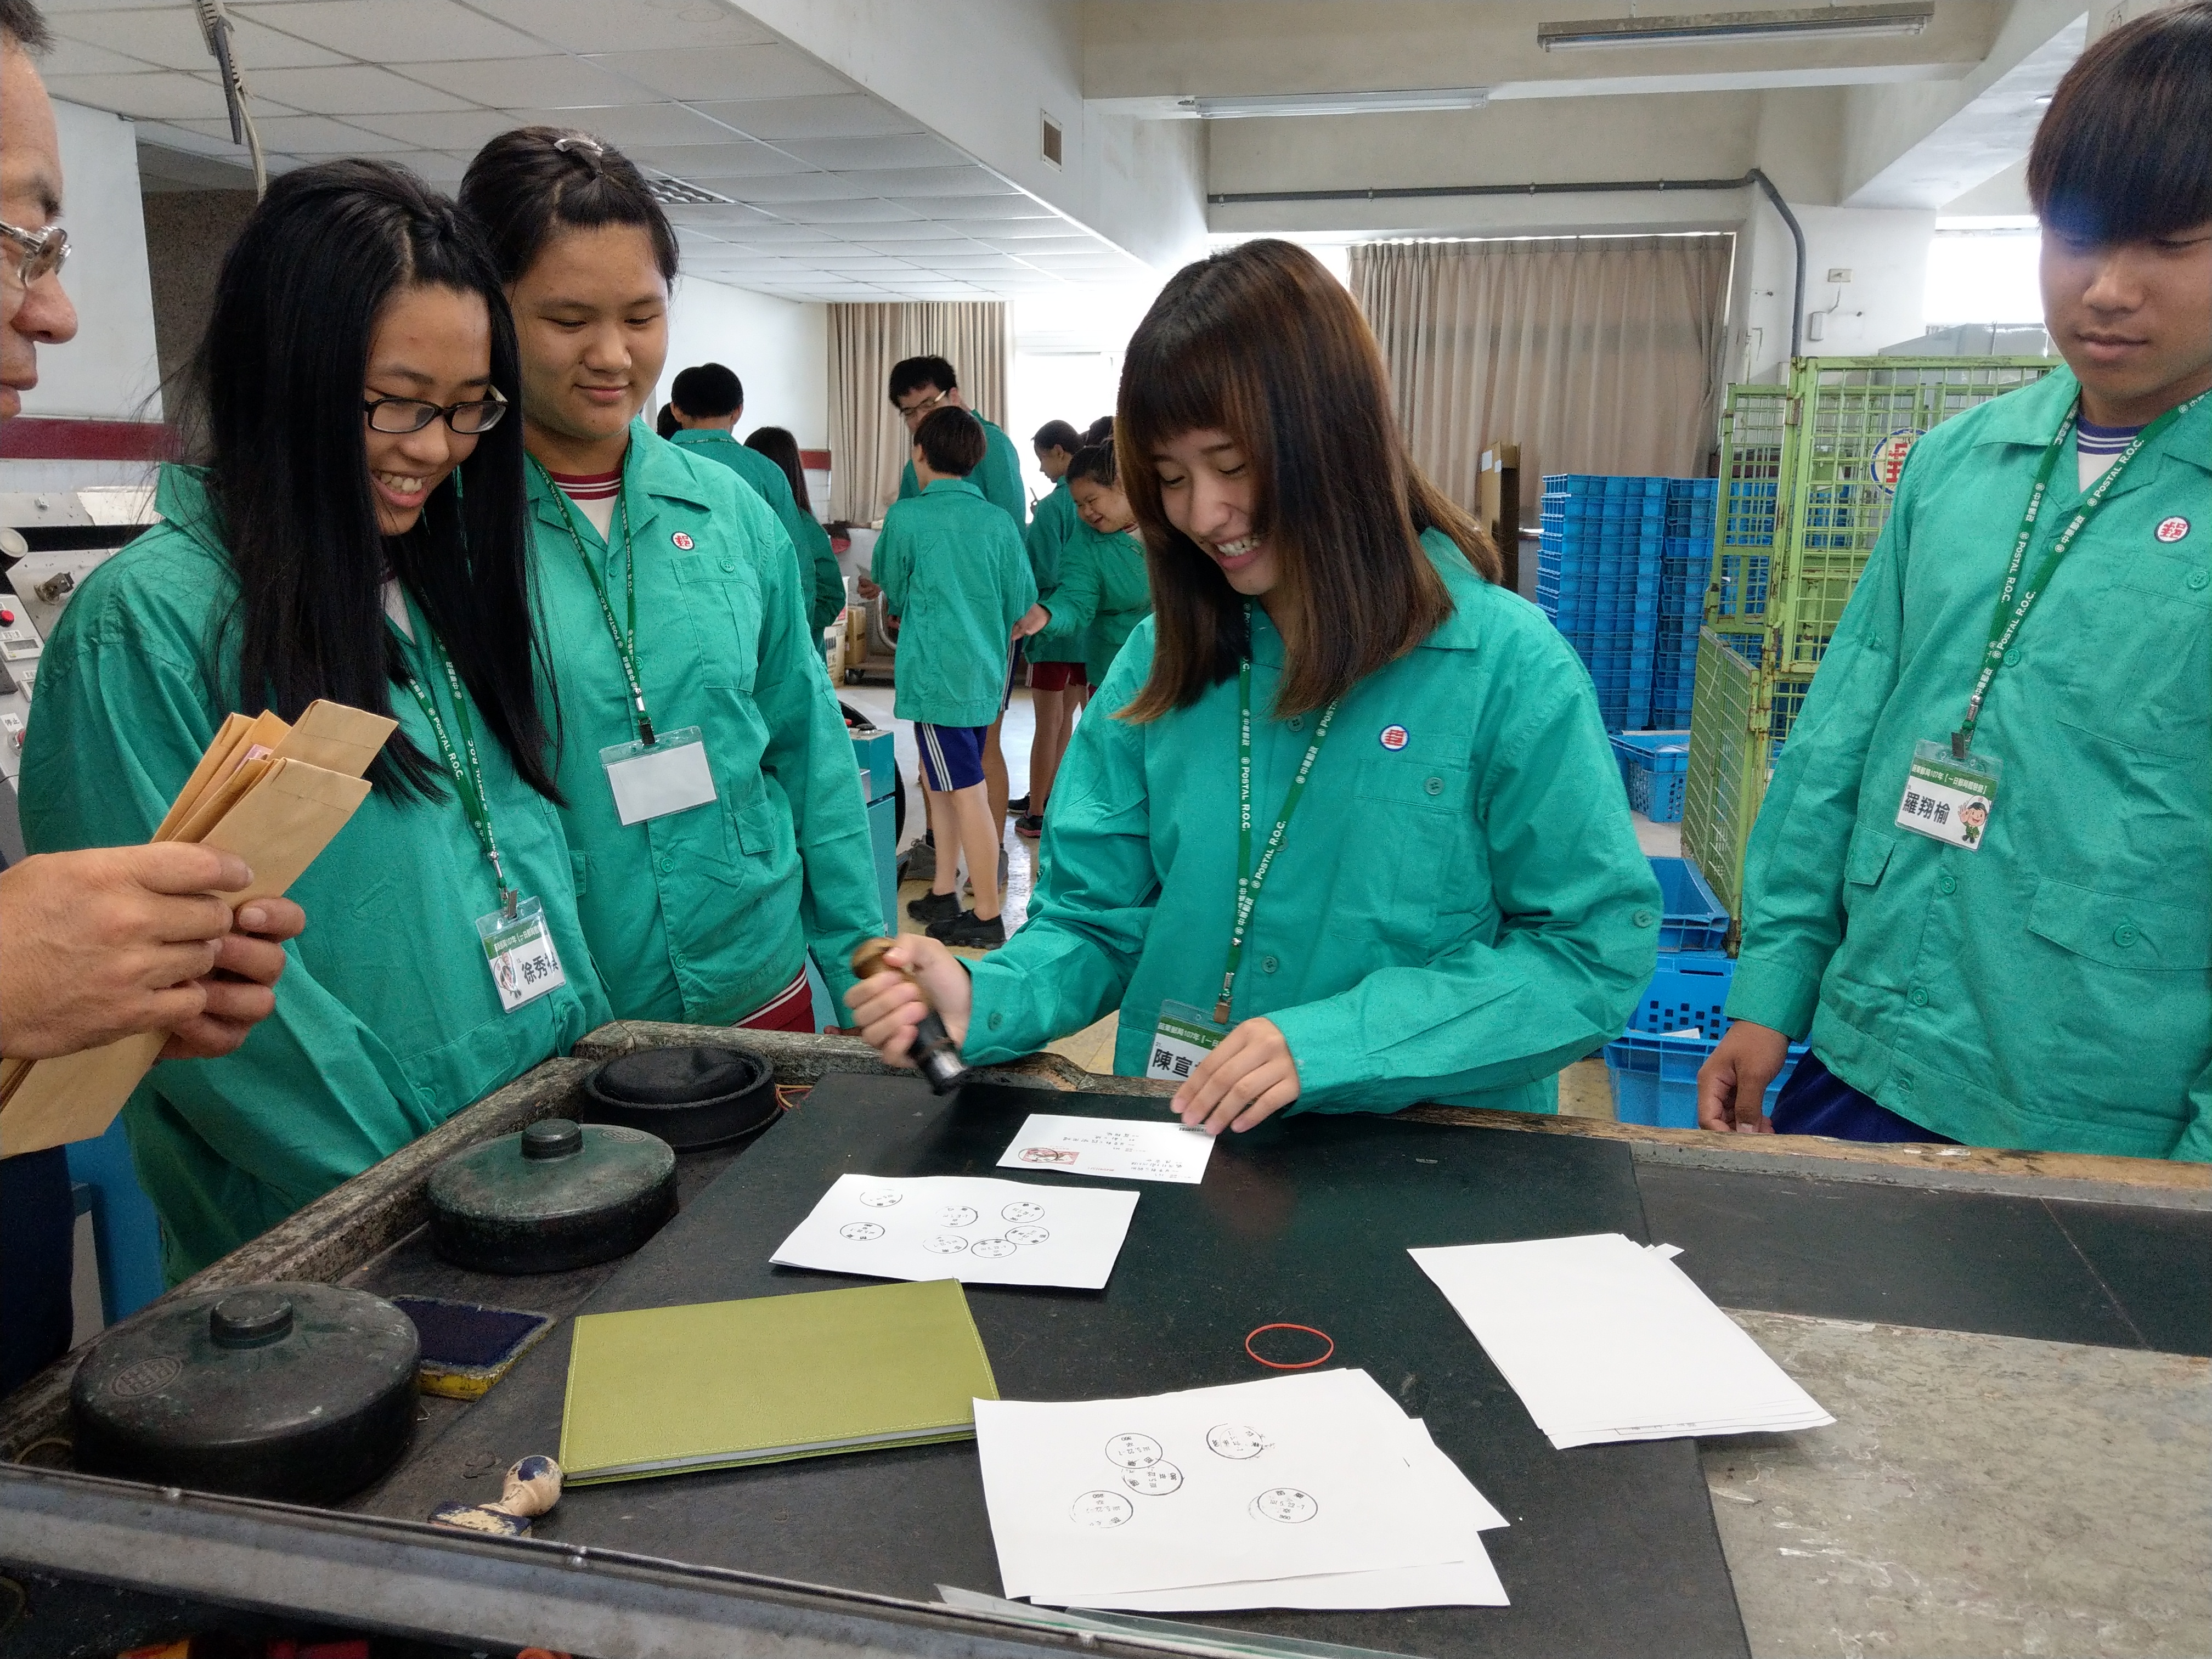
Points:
(1459, 632)
(954, 486)
(688, 435)
(2028, 417)
(180, 496)
(654, 471)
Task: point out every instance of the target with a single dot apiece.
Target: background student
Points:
(815, 552)
(109, 942)
(357, 372)
(712, 803)
(1456, 906)
(1056, 686)
(1103, 590)
(2041, 981)
(920, 386)
(708, 402)
(953, 571)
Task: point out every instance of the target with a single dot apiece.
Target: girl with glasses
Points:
(712, 801)
(354, 533)
(1343, 831)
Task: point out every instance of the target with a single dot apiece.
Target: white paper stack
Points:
(1607, 1339)
(1314, 1490)
(971, 1228)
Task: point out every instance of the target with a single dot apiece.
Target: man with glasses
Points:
(106, 943)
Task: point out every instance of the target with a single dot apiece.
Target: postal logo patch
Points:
(683, 541)
(1393, 737)
(2173, 529)
(1887, 465)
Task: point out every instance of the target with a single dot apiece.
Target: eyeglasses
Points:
(40, 252)
(912, 412)
(400, 415)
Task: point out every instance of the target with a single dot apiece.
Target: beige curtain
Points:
(1594, 354)
(868, 440)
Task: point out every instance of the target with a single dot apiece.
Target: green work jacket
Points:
(999, 478)
(819, 581)
(701, 916)
(953, 573)
(1459, 907)
(1103, 593)
(1051, 524)
(387, 1022)
(2049, 989)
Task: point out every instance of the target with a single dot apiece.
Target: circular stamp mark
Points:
(1236, 1440)
(860, 1231)
(1028, 1234)
(1286, 1504)
(992, 1249)
(1100, 1511)
(881, 1199)
(1154, 1481)
(1133, 1451)
(956, 1215)
(945, 1244)
(1021, 1210)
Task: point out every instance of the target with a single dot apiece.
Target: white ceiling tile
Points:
(628, 24)
(160, 96)
(864, 211)
(390, 31)
(732, 158)
(59, 9)
(445, 168)
(722, 219)
(469, 129)
(973, 207)
(778, 234)
(799, 187)
(69, 56)
(172, 38)
(694, 73)
(350, 89)
(912, 149)
(934, 252)
(1016, 232)
(961, 181)
(310, 135)
(624, 126)
(854, 116)
(541, 82)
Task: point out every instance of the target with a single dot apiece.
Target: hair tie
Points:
(574, 141)
(1290, 1364)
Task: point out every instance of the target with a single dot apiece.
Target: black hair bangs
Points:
(2125, 152)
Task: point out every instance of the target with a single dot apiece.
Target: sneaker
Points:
(1030, 824)
(1019, 807)
(918, 863)
(968, 929)
(934, 907)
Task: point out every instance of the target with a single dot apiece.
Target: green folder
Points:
(720, 1384)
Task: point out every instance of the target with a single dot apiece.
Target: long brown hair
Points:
(1263, 343)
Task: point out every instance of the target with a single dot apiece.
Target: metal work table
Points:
(2014, 1345)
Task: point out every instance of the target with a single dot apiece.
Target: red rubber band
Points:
(1290, 1364)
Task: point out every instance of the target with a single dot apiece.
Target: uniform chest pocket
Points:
(720, 594)
(1409, 858)
(2140, 668)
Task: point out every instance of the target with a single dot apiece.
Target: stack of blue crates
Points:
(1686, 564)
(1598, 579)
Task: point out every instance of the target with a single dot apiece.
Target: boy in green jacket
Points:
(953, 571)
(1981, 882)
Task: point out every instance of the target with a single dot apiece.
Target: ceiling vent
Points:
(1052, 141)
(680, 192)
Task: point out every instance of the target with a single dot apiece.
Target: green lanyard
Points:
(625, 647)
(2014, 601)
(468, 775)
(1248, 879)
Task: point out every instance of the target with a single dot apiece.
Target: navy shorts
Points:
(952, 756)
(1816, 1102)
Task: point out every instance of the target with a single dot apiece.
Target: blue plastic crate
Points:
(1655, 1074)
(1654, 765)
(1690, 918)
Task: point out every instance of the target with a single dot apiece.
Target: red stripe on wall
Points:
(814, 460)
(32, 439)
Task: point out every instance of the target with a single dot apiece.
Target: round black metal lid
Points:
(222, 1379)
(691, 1097)
(554, 1171)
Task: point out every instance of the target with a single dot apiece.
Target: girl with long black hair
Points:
(354, 533)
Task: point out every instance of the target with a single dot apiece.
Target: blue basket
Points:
(1690, 918)
(1654, 1075)
(1654, 766)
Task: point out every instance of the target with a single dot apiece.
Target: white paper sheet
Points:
(1282, 1492)
(971, 1228)
(1110, 1146)
(1605, 1340)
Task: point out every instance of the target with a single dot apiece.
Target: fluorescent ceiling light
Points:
(1336, 103)
(1797, 23)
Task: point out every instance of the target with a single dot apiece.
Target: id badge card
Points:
(653, 779)
(1184, 1036)
(518, 949)
(1947, 798)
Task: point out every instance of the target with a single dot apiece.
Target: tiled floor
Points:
(1583, 1089)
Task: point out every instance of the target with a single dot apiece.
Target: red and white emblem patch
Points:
(683, 541)
(1394, 738)
(2173, 529)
